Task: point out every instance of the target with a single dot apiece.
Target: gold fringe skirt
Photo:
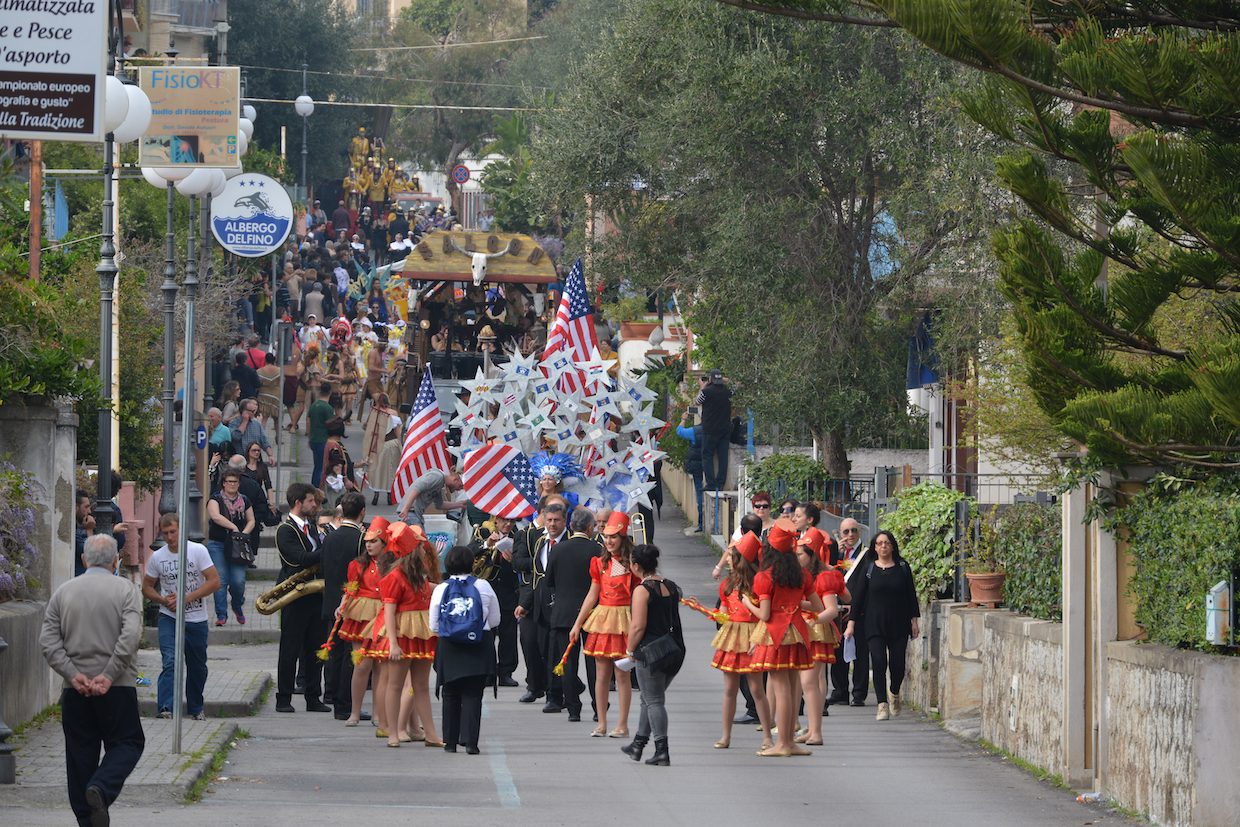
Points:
(607, 632)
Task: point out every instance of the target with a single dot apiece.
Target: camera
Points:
(691, 410)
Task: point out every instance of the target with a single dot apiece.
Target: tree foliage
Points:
(790, 183)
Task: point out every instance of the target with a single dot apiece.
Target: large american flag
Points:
(426, 443)
(499, 481)
(573, 329)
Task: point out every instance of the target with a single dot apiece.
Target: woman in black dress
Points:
(885, 599)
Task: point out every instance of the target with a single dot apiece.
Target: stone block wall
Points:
(1022, 694)
(27, 684)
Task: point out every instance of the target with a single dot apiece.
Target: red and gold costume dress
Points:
(413, 628)
(607, 627)
(782, 642)
(735, 637)
(360, 612)
(825, 637)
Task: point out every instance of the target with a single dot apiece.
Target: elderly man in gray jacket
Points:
(90, 636)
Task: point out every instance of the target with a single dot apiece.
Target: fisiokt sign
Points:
(52, 69)
(252, 216)
(194, 114)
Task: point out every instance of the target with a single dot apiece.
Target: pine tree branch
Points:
(805, 14)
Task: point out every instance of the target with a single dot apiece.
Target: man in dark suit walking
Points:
(529, 560)
(302, 630)
(568, 582)
(493, 546)
(341, 547)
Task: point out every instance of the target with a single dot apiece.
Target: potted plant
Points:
(983, 566)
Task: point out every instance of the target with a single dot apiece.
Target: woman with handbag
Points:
(657, 644)
(230, 519)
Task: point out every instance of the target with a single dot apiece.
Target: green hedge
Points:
(924, 524)
(1030, 546)
(786, 475)
(1181, 544)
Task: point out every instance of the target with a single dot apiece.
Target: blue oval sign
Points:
(252, 216)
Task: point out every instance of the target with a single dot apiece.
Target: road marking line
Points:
(505, 786)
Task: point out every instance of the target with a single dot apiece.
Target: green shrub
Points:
(924, 524)
(1181, 544)
(786, 475)
(1029, 541)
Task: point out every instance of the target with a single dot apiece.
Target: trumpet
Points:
(289, 589)
(637, 529)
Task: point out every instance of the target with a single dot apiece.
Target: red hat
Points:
(401, 540)
(817, 542)
(617, 523)
(782, 536)
(748, 546)
(377, 528)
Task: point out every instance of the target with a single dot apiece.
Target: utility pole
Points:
(36, 208)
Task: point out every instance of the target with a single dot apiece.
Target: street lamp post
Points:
(304, 106)
(167, 489)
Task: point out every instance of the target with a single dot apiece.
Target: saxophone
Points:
(289, 589)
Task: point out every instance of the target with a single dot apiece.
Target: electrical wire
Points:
(389, 77)
(407, 105)
(448, 45)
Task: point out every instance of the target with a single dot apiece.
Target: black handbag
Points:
(659, 654)
(238, 547)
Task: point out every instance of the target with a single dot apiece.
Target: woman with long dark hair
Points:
(886, 603)
(656, 613)
(781, 640)
(823, 637)
(605, 616)
(360, 605)
(733, 641)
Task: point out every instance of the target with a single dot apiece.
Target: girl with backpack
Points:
(733, 640)
(605, 617)
(404, 644)
(781, 639)
(464, 609)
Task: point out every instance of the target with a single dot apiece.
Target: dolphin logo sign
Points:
(256, 201)
(252, 216)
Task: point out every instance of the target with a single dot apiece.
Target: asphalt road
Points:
(536, 768)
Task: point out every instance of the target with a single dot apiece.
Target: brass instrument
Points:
(289, 589)
(485, 564)
(637, 529)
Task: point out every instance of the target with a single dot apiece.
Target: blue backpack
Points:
(460, 612)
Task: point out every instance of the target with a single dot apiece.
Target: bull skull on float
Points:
(478, 263)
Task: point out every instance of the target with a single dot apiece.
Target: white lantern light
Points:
(304, 105)
(233, 172)
(197, 182)
(173, 173)
(153, 177)
(243, 144)
(137, 119)
(115, 104)
(246, 127)
(249, 113)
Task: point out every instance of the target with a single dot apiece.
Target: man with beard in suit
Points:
(529, 560)
(568, 581)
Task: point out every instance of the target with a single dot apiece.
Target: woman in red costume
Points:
(733, 641)
(605, 617)
(359, 606)
(823, 637)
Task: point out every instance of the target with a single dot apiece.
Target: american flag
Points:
(499, 481)
(426, 444)
(573, 329)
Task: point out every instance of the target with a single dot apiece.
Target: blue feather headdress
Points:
(557, 466)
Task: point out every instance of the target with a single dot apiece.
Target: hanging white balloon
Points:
(153, 177)
(246, 126)
(197, 182)
(115, 104)
(173, 173)
(137, 119)
(249, 113)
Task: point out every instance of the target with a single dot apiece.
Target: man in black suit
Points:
(341, 547)
(853, 551)
(529, 560)
(493, 561)
(302, 630)
(568, 582)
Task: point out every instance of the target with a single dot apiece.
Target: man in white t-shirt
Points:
(159, 585)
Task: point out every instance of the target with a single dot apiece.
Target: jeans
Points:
(698, 487)
(195, 663)
(109, 721)
(715, 449)
(232, 579)
(653, 718)
(316, 451)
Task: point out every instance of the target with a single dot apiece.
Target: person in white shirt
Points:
(465, 669)
(159, 585)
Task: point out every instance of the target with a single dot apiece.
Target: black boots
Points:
(660, 757)
(634, 750)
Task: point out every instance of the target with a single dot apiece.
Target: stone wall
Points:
(1022, 693)
(27, 684)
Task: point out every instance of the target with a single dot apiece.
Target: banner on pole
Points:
(194, 114)
(252, 216)
(54, 64)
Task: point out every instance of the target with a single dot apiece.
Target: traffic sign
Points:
(200, 437)
(460, 173)
(252, 216)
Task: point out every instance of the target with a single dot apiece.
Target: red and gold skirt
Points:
(607, 632)
(413, 636)
(823, 640)
(732, 644)
(359, 619)
(791, 653)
